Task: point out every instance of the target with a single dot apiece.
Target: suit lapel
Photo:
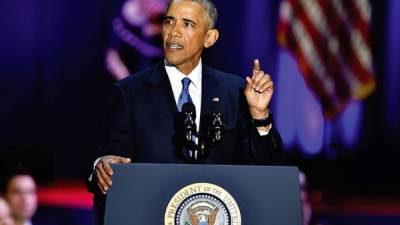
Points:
(162, 96)
(209, 90)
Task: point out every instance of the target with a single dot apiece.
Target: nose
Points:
(175, 31)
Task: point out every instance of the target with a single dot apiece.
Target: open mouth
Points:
(174, 46)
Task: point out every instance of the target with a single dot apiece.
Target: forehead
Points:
(21, 181)
(186, 9)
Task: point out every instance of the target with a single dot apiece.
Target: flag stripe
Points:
(334, 61)
(315, 24)
(309, 75)
(354, 50)
(330, 41)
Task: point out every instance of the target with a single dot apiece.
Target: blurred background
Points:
(335, 64)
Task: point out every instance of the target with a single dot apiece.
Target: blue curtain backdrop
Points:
(392, 69)
(53, 86)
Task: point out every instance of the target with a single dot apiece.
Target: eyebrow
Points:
(173, 18)
(189, 21)
(168, 18)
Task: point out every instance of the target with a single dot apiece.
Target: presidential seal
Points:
(202, 204)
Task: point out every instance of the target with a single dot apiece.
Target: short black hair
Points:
(210, 8)
(17, 170)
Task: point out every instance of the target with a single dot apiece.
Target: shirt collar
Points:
(176, 76)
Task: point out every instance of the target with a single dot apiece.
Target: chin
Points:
(173, 60)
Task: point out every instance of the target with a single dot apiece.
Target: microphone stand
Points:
(199, 149)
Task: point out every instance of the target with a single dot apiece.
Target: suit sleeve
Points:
(117, 137)
(258, 149)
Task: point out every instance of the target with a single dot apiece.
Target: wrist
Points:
(259, 115)
(264, 122)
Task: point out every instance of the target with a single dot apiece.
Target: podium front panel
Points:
(146, 194)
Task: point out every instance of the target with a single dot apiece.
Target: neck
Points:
(187, 68)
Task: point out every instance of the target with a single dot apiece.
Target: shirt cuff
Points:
(265, 133)
(94, 168)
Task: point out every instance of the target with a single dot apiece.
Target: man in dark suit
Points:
(141, 113)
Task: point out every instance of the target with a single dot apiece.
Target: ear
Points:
(211, 37)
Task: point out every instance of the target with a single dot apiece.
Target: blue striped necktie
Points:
(184, 96)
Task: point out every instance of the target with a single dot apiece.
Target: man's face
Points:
(184, 33)
(21, 196)
(5, 213)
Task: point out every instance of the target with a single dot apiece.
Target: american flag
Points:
(330, 42)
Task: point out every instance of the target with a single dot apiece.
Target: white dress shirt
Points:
(175, 78)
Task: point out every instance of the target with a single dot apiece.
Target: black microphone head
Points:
(189, 107)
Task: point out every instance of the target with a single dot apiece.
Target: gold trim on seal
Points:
(202, 188)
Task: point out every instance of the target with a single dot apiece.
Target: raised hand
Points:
(258, 91)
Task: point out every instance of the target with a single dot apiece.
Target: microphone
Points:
(217, 123)
(189, 124)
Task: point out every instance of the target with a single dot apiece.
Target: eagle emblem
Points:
(202, 213)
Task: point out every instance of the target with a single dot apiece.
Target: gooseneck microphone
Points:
(196, 146)
(189, 124)
(217, 126)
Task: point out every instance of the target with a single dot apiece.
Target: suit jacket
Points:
(141, 113)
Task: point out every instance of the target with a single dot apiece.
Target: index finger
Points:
(256, 67)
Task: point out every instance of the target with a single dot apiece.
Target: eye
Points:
(188, 24)
(168, 21)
